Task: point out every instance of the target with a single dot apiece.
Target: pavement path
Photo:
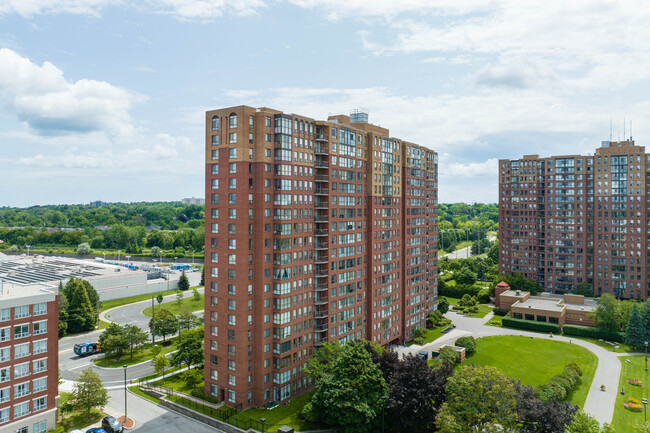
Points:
(599, 404)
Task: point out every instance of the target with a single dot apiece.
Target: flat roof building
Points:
(316, 231)
(29, 350)
(572, 219)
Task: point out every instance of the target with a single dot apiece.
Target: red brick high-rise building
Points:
(565, 220)
(316, 231)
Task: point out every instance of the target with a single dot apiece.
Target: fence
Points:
(222, 413)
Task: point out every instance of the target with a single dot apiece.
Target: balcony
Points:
(321, 328)
(321, 204)
(321, 272)
(321, 259)
(321, 218)
(321, 164)
(321, 232)
(321, 191)
(321, 287)
(322, 245)
(320, 313)
(320, 300)
(322, 137)
(321, 178)
(321, 150)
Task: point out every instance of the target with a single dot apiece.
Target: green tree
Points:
(350, 398)
(63, 312)
(493, 252)
(160, 362)
(183, 282)
(156, 252)
(203, 276)
(112, 329)
(192, 377)
(134, 338)
(114, 346)
(635, 332)
(322, 362)
(179, 299)
(443, 305)
(163, 324)
(646, 319)
(419, 333)
(585, 289)
(190, 348)
(196, 295)
(187, 320)
(583, 423)
(466, 277)
(83, 249)
(608, 314)
(479, 399)
(88, 392)
(81, 315)
(159, 298)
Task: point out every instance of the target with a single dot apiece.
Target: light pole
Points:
(192, 256)
(128, 259)
(467, 240)
(646, 355)
(125, 416)
(263, 420)
(175, 258)
(383, 407)
(119, 253)
(645, 405)
(104, 256)
(153, 320)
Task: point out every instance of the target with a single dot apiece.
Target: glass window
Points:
(215, 123)
(232, 120)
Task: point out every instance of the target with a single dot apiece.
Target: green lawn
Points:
(625, 420)
(119, 302)
(285, 414)
(144, 355)
(483, 309)
(495, 320)
(534, 361)
(76, 419)
(174, 382)
(430, 336)
(135, 389)
(188, 304)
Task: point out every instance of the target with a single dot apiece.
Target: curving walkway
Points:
(599, 404)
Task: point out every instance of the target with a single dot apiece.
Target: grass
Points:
(144, 355)
(124, 301)
(625, 420)
(483, 309)
(188, 304)
(284, 414)
(495, 320)
(431, 335)
(76, 419)
(174, 382)
(534, 361)
(135, 389)
(167, 372)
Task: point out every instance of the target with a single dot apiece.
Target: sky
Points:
(105, 99)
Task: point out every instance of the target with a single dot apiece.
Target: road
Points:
(599, 404)
(72, 365)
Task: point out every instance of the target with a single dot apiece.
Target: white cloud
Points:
(28, 8)
(206, 10)
(472, 169)
(50, 104)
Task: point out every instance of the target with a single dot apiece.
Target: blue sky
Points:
(104, 99)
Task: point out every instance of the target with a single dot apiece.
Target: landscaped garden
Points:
(143, 355)
(534, 361)
(188, 303)
(634, 380)
(71, 418)
(284, 414)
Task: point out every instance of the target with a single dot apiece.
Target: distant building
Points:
(29, 352)
(193, 200)
(152, 227)
(97, 203)
(571, 219)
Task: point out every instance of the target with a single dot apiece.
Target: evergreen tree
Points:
(646, 319)
(203, 276)
(183, 282)
(635, 333)
(82, 316)
(63, 312)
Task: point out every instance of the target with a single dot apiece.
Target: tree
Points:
(183, 282)
(159, 298)
(203, 276)
(583, 423)
(468, 342)
(112, 329)
(608, 314)
(187, 320)
(134, 337)
(156, 252)
(81, 315)
(323, 361)
(443, 305)
(466, 277)
(114, 346)
(537, 416)
(411, 404)
(493, 252)
(479, 399)
(350, 397)
(163, 324)
(419, 333)
(160, 362)
(63, 312)
(88, 392)
(585, 289)
(196, 295)
(179, 299)
(646, 319)
(190, 348)
(83, 249)
(635, 333)
(192, 377)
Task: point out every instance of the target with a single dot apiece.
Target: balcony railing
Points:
(321, 178)
(322, 245)
(321, 232)
(320, 300)
(322, 137)
(321, 150)
(322, 191)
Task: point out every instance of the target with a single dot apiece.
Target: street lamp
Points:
(125, 416)
(383, 407)
(153, 321)
(646, 355)
(119, 252)
(645, 405)
(104, 256)
(192, 256)
(263, 420)
(175, 258)
(128, 259)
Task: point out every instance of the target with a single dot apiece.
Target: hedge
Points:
(530, 325)
(585, 331)
(458, 291)
(560, 386)
(499, 312)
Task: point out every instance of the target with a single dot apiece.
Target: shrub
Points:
(560, 386)
(530, 325)
(634, 382)
(585, 331)
(499, 312)
(458, 291)
(449, 354)
(198, 393)
(469, 343)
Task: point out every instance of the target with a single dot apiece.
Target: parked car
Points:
(94, 430)
(112, 425)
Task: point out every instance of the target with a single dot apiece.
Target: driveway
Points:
(599, 404)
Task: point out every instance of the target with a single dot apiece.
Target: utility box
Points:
(286, 429)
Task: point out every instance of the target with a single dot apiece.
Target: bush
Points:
(198, 393)
(499, 312)
(469, 343)
(560, 386)
(458, 291)
(585, 331)
(530, 325)
(483, 296)
(449, 354)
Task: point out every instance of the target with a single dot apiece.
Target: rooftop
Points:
(541, 304)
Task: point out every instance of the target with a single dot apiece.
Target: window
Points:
(40, 403)
(40, 346)
(4, 394)
(232, 138)
(5, 374)
(232, 183)
(5, 334)
(39, 309)
(21, 350)
(21, 370)
(215, 123)
(215, 140)
(40, 327)
(232, 168)
(4, 314)
(5, 354)
(21, 409)
(40, 427)
(21, 390)
(231, 320)
(231, 396)
(232, 153)
(39, 384)
(232, 120)
(20, 312)
(4, 415)
(21, 331)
